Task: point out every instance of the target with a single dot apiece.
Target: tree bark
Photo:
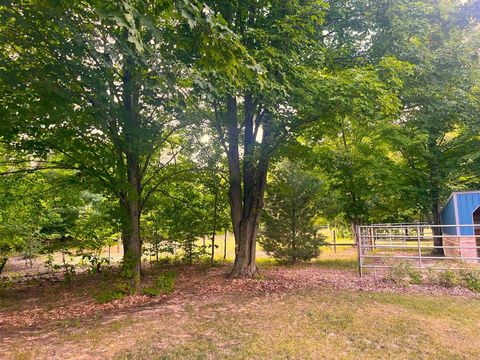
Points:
(437, 231)
(354, 222)
(132, 244)
(132, 199)
(135, 242)
(247, 205)
(124, 220)
(3, 262)
(435, 186)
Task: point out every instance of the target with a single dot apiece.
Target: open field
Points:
(309, 311)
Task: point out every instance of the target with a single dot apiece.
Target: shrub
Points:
(432, 275)
(404, 273)
(448, 278)
(94, 261)
(119, 291)
(164, 284)
(471, 279)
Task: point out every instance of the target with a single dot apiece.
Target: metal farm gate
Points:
(381, 246)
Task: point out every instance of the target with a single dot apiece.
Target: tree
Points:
(254, 112)
(402, 164)
(44, 212)
(433, 136)
(95, 87)
(291, 209)
(354, 108)
(19, 218)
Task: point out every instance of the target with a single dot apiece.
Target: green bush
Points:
(471, 279)
(448, 278)
(164, 284)
(432, 275)
(404, 273)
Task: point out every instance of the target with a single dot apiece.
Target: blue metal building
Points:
(462, 208)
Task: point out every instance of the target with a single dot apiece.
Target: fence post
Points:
(419, 249)
(334, 235)
(358, 240)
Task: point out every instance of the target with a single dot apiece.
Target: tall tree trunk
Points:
(245, 245)
(354, 222)
(132, 199)
(435, 188)
(124, 221)
(436, 230)
(134, 204)
(246, 202)
(132, 243)
(294, 234)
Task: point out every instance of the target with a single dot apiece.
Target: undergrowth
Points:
(404, 273)
(164, 284)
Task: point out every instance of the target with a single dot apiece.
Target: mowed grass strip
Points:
(324, 325)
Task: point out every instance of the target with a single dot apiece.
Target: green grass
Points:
(327, 325)
(303, 324)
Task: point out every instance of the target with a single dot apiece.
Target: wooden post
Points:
(225, 245)
(334, 235)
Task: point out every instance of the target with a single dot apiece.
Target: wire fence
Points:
(381, 246)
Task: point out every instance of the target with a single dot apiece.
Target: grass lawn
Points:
(321, 325)
(293, 313)
(313, 324)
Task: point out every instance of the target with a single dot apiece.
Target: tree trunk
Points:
(132, 198)
(354, 222)
(135, 249)
(294, 235)
(245, 249)
(436, 181)
(246, 202)
(245, 244)
(124, 221)
(3, 262)
(437, 231)
(132, 244)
